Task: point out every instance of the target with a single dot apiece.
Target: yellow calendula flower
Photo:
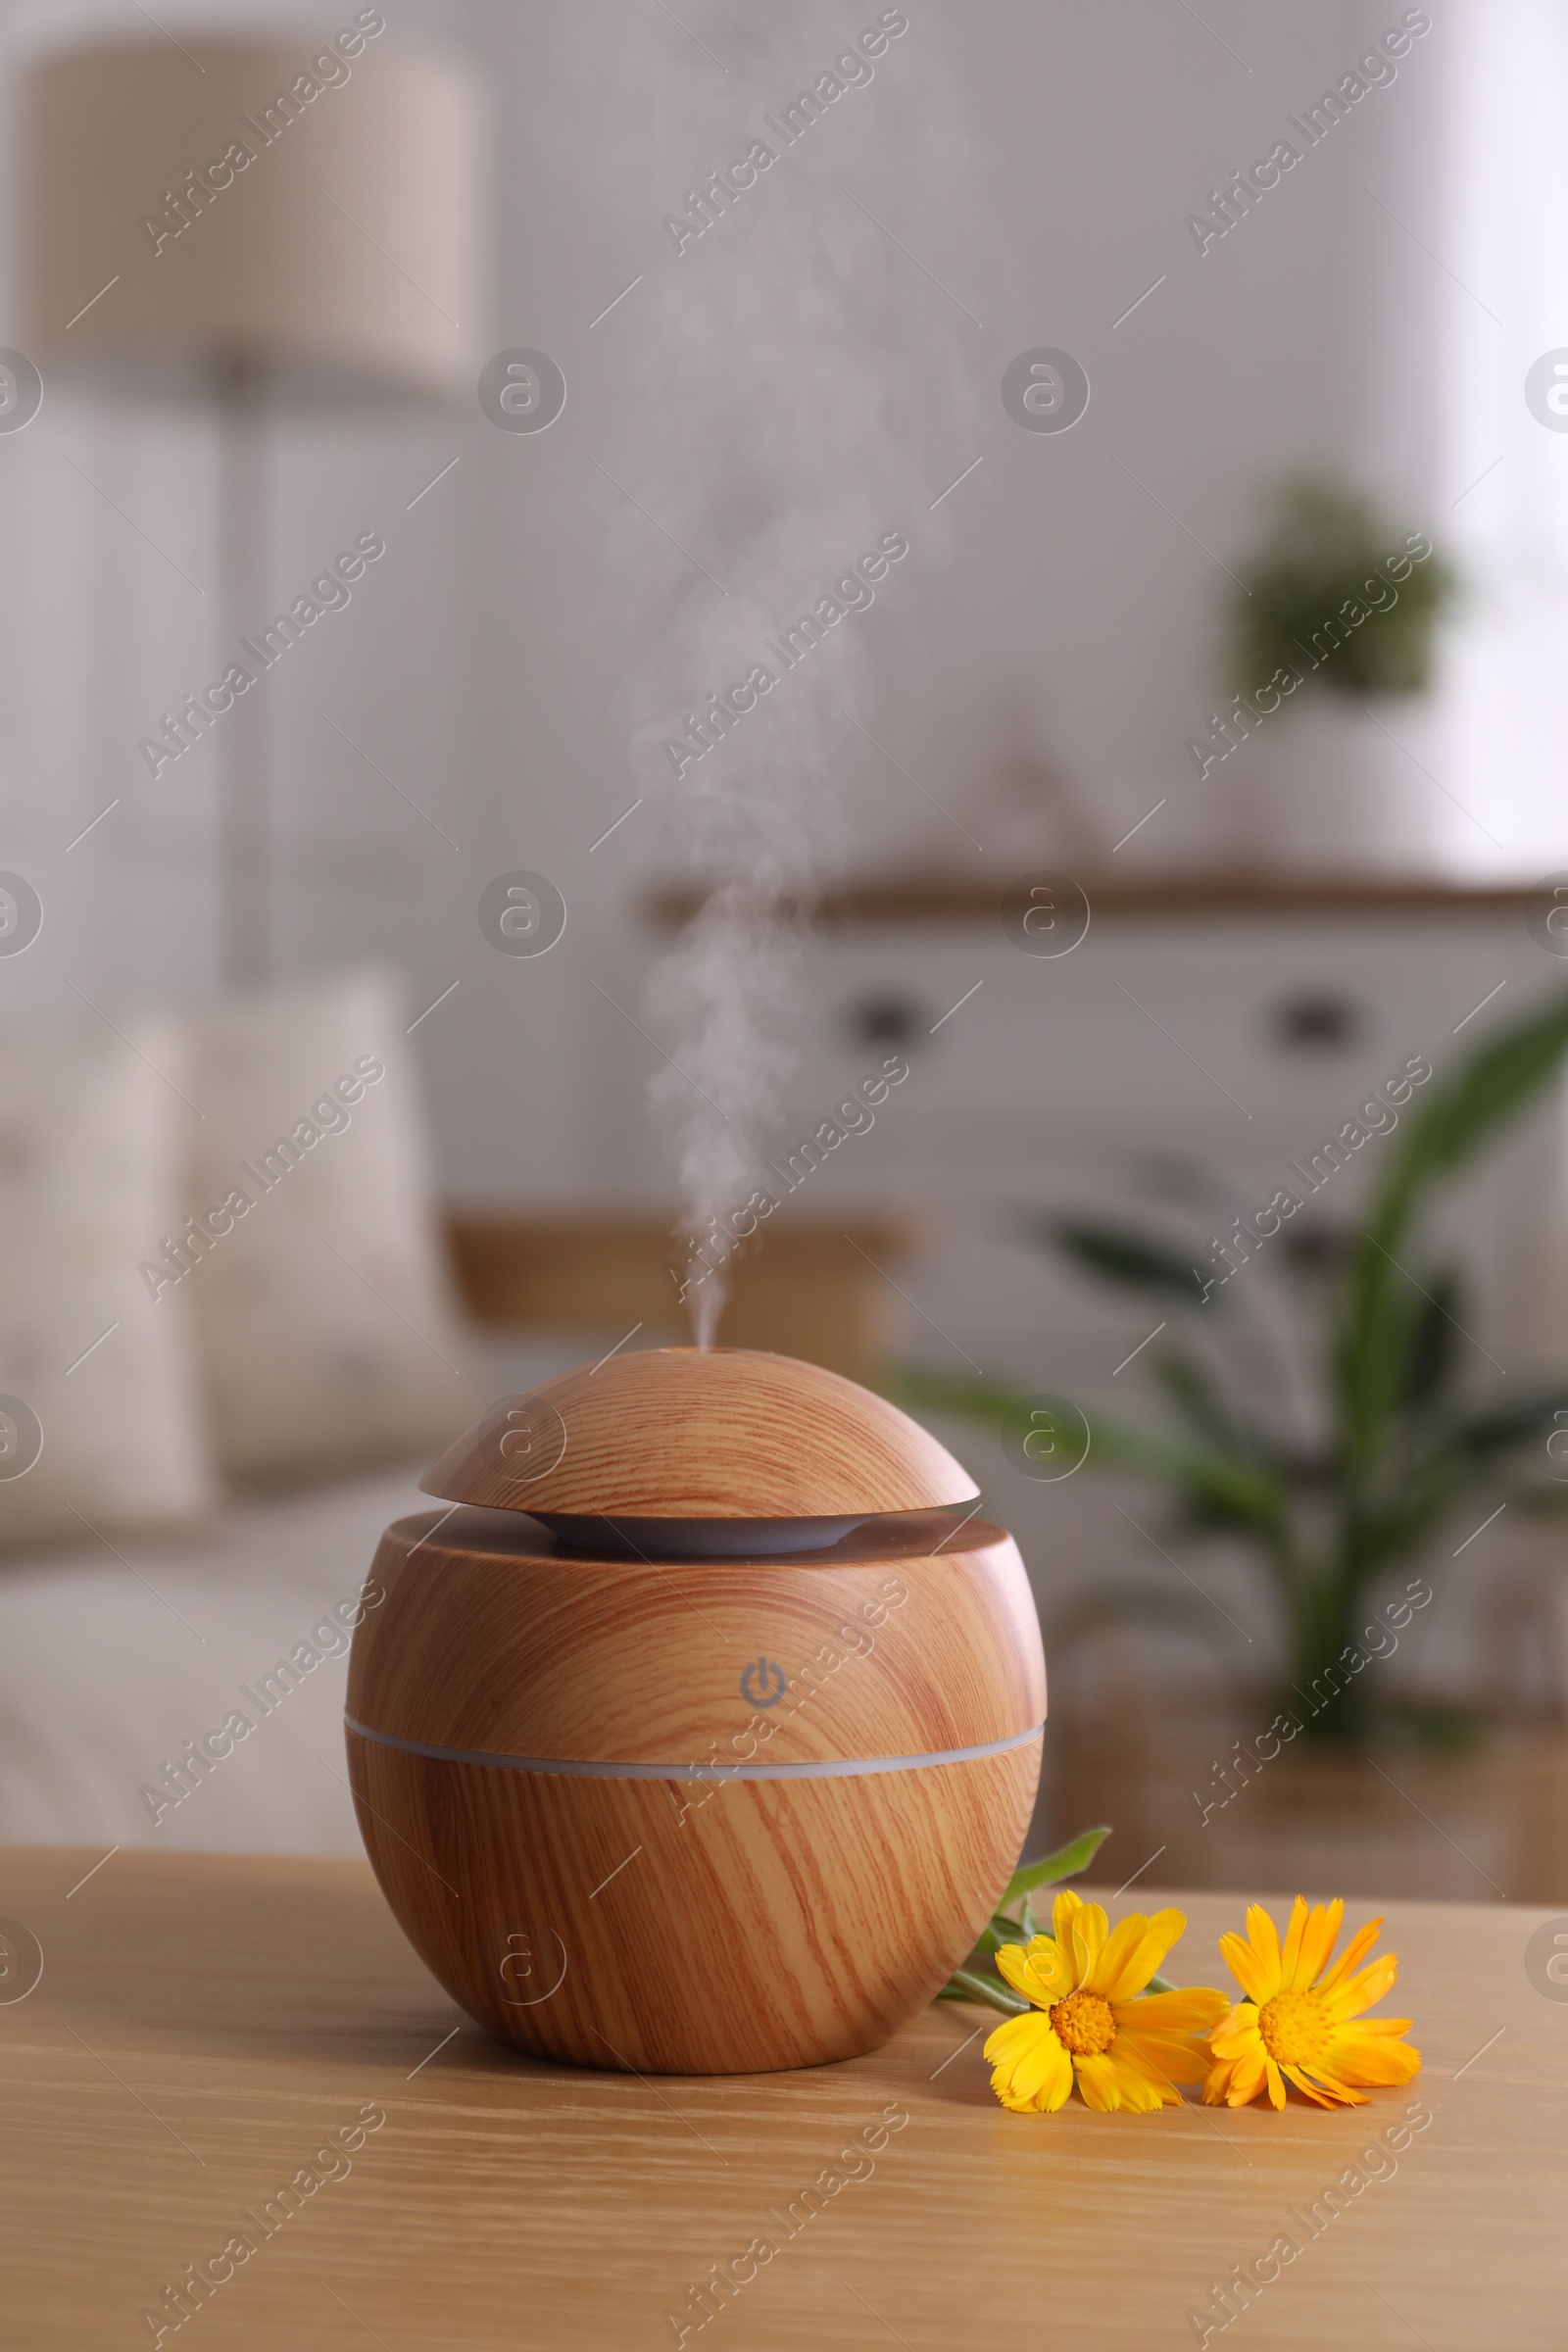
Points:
(1088, 2022)
(1299, 2020)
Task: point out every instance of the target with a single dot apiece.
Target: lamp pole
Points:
(246, 847)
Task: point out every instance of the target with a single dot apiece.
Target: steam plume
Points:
(806, 393)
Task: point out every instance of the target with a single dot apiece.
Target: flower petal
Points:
(1088, 1931)
(1051, 1965)
(1264, 1938)
(1251, 1972)
(1234, 2030)
(1142, 2085)
(1291, 1958)
(1171, 2058)
(1323, 2091)
(1064, 1910)
(1014, 2034)
(1193, 2009)
(1354, 1952)
(1322, 1932)
(1217, 2081)
(1012, 1966)
(1134, 1953)
(1121, 1947)
(1235, 2080)
(1041, 1973)
(1366, 2055)
(1276, 2089)
(1361, 1990)
(1030, 2070)
(1099, 2084)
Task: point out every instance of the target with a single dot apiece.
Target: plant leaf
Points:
(1064, 1863)
(1324, 544)
(1203, 1405)
(1432, 1350)
(1499, 1077)
(1235, 1490)
(1122, 1254)
(1483, 1434)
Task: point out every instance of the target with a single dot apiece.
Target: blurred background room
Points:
(880, 682)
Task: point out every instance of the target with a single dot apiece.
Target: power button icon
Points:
(762, 1684)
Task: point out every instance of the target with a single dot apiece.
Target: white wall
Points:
(1039, 159)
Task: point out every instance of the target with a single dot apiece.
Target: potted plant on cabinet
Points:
(1345, 1527)
(1329, 662)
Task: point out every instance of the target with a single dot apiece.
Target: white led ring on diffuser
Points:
(832, 1769)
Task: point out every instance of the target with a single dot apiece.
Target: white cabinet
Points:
(1237, 1041)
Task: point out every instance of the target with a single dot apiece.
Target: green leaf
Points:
(1432, 1345)
(988, 1402)
(1499, 1079)
(1201, 1404)
(1485, 1434)
(1292, 600)
(1064, 1863)
(1230, 1491)
(1235, 1490)
(1122, 1254)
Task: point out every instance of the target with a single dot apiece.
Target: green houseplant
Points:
(1339, 593)
(1406, 1441)
(1325, 753)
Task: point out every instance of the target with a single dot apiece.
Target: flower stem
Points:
(965, 1986)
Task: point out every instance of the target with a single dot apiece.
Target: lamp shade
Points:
(306, 212)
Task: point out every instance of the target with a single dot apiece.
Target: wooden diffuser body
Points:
(689, 1814)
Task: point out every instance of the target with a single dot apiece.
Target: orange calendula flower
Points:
(1302, 2021)
(1088, 2022)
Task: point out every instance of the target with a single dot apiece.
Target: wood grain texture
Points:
(1469, 1825)
(687, 1433)
(205, 2022)
(814, 1291)
(692, 1929)
(916, 1637)
(489, 1636)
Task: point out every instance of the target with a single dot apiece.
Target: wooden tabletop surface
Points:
(208, 2028)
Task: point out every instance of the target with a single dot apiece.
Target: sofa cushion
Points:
(324, 1320)
(99, 1422)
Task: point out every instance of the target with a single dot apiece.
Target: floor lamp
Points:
(266, 229)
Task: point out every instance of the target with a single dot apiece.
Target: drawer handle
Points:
(884, 1019)
(1318, 1021)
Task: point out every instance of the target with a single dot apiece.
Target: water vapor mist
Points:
(806, 392)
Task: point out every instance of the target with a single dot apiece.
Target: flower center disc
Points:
(1083, 2022)
(1294, 2027)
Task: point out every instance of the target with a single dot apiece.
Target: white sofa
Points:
(110, 1661)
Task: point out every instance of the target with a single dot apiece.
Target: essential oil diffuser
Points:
(702, 1737)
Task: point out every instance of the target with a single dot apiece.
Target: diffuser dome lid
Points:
(685, 1433)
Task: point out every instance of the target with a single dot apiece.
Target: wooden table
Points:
(205, 2022)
